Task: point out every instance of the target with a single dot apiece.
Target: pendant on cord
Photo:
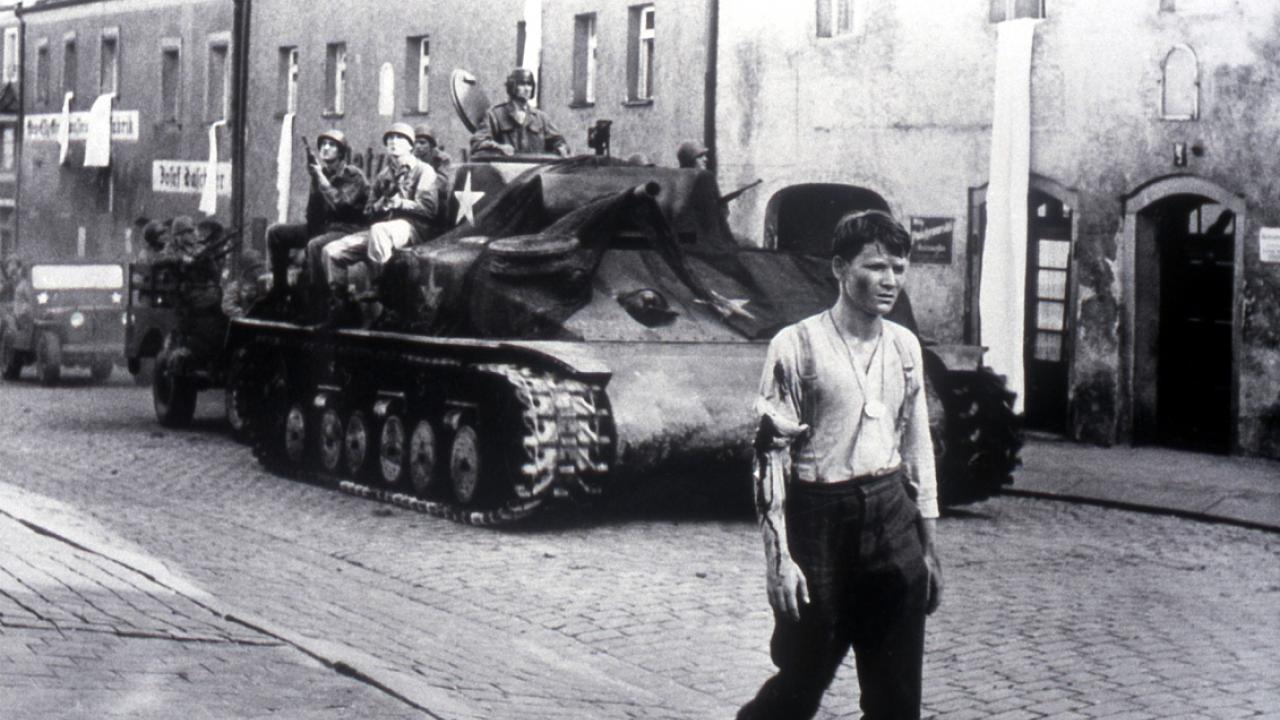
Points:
(873, 409)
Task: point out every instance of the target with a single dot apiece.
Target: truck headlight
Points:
(76, 319)
(42, 298)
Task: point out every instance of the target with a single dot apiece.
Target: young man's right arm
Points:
(778, 407)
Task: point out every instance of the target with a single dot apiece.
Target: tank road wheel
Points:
(295, 434)
(173, 397)
(10, 358)
(356, 443)
(393, 448)
(49, 358)
(422, 458)
(101, 369)
(332, 438)
(465, 464)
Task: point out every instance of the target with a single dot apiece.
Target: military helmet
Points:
(520, 76)
(689, 152)
(336, 136)
(402, 129)
(424, 130)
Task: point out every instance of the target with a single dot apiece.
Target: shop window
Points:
(417, 74)
(835, 17)
(335, 80)
(170, 79)
(218, 90)
(1180, 85)
(42, 72)
(287, 82)
(1002, 10)
(584, 59)
(12, 55)
(109, 65)
(640, 53)
(70, 66)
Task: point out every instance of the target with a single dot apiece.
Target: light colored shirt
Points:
(843, 441)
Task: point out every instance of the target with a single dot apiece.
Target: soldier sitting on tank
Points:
(402, 209)
(514, 127)
(335, 209)
(243, 289)
(691, 155)
(426, 149)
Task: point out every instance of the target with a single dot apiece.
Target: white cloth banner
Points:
(209, 193)
(284, 168)
(532, 59)
(97, 145)
(64, 129)
(1001, 299)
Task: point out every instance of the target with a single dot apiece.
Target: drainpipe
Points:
(239, 121)
(709, 84)
(20, 131)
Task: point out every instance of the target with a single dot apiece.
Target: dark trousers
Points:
(858, 544)
(283, 238)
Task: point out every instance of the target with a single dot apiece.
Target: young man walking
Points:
(845, 489)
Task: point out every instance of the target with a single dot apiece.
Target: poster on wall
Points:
(187, 177)
(45, 127)
(931, 239)
(1269, 244)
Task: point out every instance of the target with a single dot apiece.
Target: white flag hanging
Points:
(64, 128)
(97, 145)
(1001, 300)
(209, 192)
(532, 59)
(284, 168)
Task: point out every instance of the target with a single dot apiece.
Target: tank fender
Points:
(575, 358)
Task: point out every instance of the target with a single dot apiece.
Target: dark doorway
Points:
(1184, 271)
(800, 218)
(1047, 335)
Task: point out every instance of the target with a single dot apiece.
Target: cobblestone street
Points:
(1051, 609)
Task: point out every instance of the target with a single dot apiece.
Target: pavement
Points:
(1239, 490)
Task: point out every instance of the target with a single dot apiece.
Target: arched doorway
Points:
(1048, 318)
(1183, 241)
(800, 218)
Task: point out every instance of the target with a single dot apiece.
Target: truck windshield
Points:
(77, 277)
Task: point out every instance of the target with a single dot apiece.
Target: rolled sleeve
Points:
(778, 403)
(917, 444)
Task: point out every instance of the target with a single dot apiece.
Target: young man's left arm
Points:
(917, 458)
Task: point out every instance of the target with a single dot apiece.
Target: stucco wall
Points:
(55, 201)
(902, 106)
(654, 129)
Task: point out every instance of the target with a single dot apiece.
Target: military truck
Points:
(64, 314)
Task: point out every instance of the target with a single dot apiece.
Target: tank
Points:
(584, 322)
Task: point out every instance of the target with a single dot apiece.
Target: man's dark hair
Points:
(857, 230)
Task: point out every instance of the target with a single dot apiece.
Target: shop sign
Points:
(187, 176)
(931, 239)
(45, 127)
(1269, 244)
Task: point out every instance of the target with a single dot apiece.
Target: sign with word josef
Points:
(1269, 244)
(931, 239)
(45, 127)
(187, 176)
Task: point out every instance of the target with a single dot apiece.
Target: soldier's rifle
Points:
(730, 197)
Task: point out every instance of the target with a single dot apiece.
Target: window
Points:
(9, 149)
(1002, 10)
(12, 55)
(170, 79)
(640, 61)
(584, 59)
(287, 87)
(109, 67)
(417, 66)
(335, 78)
(42, 72)
(217, 89)
(1180, 85)
(70, 65)
(835, 17)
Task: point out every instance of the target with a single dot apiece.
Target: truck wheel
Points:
(174, 398)
(49, 358)
(10, 358)
(101, 369)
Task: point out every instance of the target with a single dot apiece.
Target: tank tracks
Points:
(558, 435)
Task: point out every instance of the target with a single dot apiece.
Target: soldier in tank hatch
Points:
(515, 127)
